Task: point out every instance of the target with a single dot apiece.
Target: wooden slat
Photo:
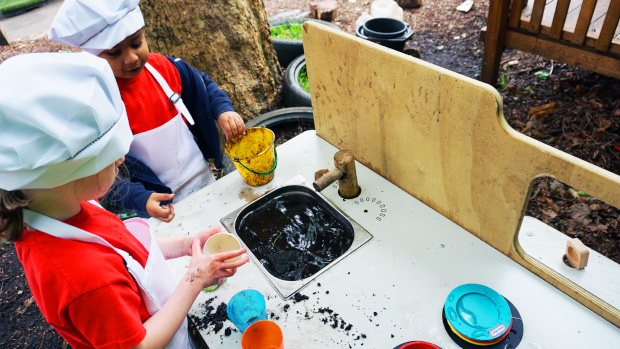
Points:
(515, 13)
(576, 56)
(598, 17)
(561, 11)
(548, 14)
(494, 40)
(583, 23)
(572, 17)
(609, 27)
(537, 15)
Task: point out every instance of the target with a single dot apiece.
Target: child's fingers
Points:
(222, 256)
(159, 197)
(234, 264)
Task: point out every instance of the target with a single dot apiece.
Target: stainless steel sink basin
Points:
(294, 235)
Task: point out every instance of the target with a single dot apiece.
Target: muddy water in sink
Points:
(293, 235)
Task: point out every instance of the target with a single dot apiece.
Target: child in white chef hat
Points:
(98, 281)
(170, 105)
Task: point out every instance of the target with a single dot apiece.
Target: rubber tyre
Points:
(288, 50)
(294, 95)
(282, 116)
(270, 120)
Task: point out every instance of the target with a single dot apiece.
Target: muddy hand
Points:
(210, 270)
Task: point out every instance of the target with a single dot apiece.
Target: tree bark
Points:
(228, 40)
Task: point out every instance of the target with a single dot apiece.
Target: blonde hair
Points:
(11, 214)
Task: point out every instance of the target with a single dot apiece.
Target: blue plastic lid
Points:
(478, 312)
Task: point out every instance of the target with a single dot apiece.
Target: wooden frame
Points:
(442, 138)
(584, 45)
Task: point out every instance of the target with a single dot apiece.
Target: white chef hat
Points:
(61, 118)
(96, 25)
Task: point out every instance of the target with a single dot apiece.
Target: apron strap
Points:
(63, 230)
(174, 97)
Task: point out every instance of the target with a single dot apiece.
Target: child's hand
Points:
(232, 125)
(212, 269)
(204, 235)
(164, 213)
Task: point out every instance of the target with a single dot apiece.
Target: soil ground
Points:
(571, 109)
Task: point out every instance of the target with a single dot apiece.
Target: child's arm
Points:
(179, 246)
(203, 271)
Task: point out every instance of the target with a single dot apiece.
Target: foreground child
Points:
(100, 282)
(170, 105)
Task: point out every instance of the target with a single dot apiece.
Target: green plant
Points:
(504, 80)
(288, 31)
(543, 75)
(12, 5)
(302, 77)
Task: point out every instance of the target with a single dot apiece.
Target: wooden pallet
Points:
(583, 33)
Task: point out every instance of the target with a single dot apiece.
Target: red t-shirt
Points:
(83, 289)
(147, 105)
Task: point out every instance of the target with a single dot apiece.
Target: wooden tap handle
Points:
(326, 179)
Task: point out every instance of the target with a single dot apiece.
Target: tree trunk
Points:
(228, 40)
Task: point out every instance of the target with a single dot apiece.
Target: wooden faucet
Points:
(344, 172)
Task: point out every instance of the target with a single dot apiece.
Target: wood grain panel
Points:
(441, 137)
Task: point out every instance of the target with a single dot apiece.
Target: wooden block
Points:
(325, 10)
(409, 3)
(577, 253)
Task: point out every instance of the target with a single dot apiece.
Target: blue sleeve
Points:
(133, 186)
(219, 99)
(129, 195)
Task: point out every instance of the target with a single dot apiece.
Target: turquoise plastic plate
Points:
(478, 312)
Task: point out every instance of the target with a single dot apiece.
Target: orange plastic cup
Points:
(263, 334)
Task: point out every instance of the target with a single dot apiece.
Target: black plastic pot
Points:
(385, 28)
(282, 116)
(388, 32)
(294, 95)
(288, 50)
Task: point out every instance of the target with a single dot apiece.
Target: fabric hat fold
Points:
(96, 25)
(62, 119)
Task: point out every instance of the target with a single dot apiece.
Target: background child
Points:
(98, 281)
(170, 105)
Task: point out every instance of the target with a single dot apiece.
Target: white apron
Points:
(155, 281)
(170, 150)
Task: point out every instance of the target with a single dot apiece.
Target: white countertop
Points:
(404, 274)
